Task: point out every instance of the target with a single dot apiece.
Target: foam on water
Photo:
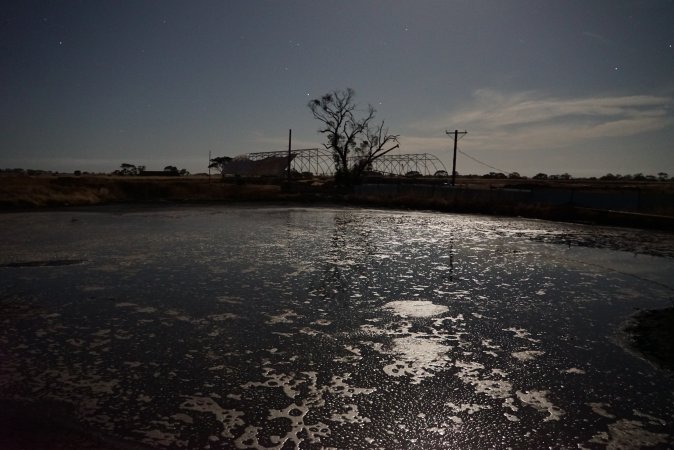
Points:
(337, 329)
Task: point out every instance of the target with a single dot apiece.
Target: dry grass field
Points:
(23, 191)
(48, 190)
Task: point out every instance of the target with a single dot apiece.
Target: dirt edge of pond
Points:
(651, 334)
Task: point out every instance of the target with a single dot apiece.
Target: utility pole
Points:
(456, 134)
(290, 139)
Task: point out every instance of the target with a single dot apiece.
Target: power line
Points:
(484, 163)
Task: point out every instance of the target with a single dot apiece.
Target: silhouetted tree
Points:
(376, 144)
(219, 163)
(540, 176)
(129, 169)
(336, 111)
(171, 169)
(662, 176)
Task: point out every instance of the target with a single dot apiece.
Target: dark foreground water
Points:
(242, 327)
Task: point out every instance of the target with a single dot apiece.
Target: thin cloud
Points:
(528, 120)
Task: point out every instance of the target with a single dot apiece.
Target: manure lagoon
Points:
(266, 327)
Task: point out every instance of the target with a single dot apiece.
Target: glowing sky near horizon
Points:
(584, 87)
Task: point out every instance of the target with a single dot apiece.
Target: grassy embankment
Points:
(52, 191)
(41, 191)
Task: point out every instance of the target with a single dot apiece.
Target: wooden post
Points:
(456, 139)
(290, 138)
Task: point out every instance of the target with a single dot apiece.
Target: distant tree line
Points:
(18, 171)
(661, 176)
(220, 164)
(126, 169)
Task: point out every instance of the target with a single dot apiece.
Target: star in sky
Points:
(455, 64)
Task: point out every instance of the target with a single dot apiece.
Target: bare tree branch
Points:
(336, 110)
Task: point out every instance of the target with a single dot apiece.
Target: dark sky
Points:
(578, 86)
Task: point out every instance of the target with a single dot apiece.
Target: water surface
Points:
(212, 327)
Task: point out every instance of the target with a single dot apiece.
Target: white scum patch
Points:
(283, 334)
(629, 434)
(283, 317)
(352, 349)
(521, 333)
(651, 419)
(600, 409)
(416, 308)
(500, 372)
(437, 430)
(510, 403)
(321, 322)
(314, 398)
(125, 305)
(310, 331)
(420, 358)
(277, 380)
(339, 386)
(574, 370)
(469, 374)
(223, 317)
(487, 343)
(538, 401)
(352, 415)
(470, 408)
(230, 300)
(527, 355)
(162, 438)
(439, 322)
(248, 439)
(301, 433)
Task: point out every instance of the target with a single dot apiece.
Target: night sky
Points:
(578, 86)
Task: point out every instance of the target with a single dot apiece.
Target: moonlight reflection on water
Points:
(275, 328)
